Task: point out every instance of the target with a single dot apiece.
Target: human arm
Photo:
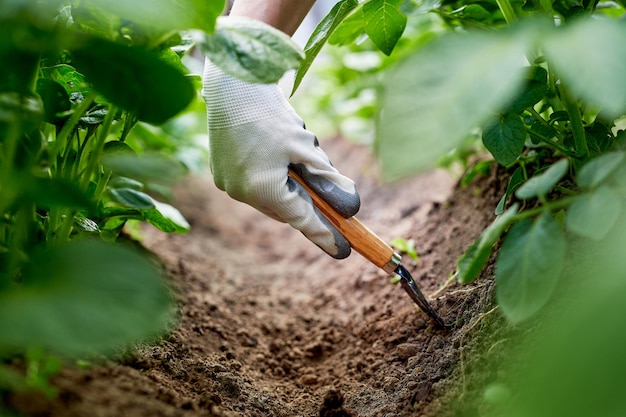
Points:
(285, 15)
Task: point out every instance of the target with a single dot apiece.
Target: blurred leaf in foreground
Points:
(84, 297)
(435, 97)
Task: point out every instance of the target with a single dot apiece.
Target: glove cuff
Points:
(231, 101)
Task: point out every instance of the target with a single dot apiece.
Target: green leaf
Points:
(533, 90)
(434, 98)
(84, 297)
(55, 99)
(134, 79)
(504, 136)
(123, 182)
(541, 184)
(471, 263)
(251, 50)
(516, 179)
(405, 246)
(528, 267)
(593, 215)
(68, 77)
(166, 218)
(598, 77)
(132, 198)
(145, 167)
(350, 28)
(56, 192)
(166, 15)
(384, 23)
(320, 35)
(598, 169)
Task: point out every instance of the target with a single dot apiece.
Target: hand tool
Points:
(372, 247)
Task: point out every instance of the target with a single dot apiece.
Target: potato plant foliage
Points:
(512, 74)
(539, 85)
(92, 94)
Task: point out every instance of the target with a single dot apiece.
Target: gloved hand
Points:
(255, 136)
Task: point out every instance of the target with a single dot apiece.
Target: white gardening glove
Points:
(255, 136)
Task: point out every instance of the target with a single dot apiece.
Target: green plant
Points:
(90, 91)
(553, 121)
(540, 83)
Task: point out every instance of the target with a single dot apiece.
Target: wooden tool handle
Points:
(362, 239)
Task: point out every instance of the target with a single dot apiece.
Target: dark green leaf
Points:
(533, 90)
(320, 35)
(593, 215)
(516, 179)
(504, 136)
(56, 192)
(55, 99)
(471, 263)
(597, 170)
(134, 79)
(132, 198)
(559, 116)
(384, 23)
(528, 267)
(539, 131)
(251, 50)
(84, 297)
(541, 184)
(115, 146)
(123, 182)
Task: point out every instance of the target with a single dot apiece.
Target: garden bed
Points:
(271, 326)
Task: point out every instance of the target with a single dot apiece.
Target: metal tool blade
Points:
(409, 285)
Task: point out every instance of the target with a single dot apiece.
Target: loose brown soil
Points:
(271, 326)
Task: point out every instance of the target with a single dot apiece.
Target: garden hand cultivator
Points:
(373, 248)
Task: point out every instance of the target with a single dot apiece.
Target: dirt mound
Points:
(271, 326)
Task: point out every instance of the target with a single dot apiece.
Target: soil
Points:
(271, 326)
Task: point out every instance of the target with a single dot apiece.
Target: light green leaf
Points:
(166, 15)
(166, 218)
(350, 28)
(384, 23)
(251, 50)
(593, 214)
(471, 263)
(599, 76)
(542, 184)
(432, 100)
(320, 35)
(504, 136)
(84, 297)
(145, 167)
(594, 172)
(528, 267)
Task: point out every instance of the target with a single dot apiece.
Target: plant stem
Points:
(580, 140)
(549, 206)
(507, 11)
(94, 159)
(71, 123)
